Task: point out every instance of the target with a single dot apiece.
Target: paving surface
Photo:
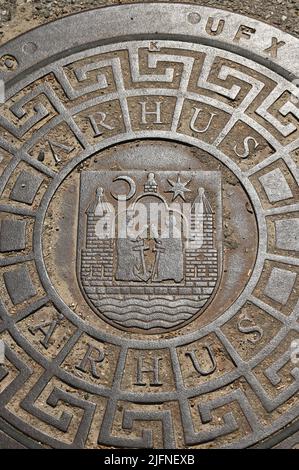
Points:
(18, 16)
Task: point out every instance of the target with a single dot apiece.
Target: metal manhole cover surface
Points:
(149, 267)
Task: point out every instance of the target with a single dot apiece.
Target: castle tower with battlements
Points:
(97, 256)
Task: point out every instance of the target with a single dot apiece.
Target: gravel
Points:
(18, 16)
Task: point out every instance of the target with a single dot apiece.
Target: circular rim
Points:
(163, 20)
(121, 22)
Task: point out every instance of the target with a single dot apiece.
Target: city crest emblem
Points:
(150, 250)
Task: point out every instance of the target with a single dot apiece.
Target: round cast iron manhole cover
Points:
(149, 247)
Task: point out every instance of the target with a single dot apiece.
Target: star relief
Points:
(178, 188)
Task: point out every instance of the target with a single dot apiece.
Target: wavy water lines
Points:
(147, 314)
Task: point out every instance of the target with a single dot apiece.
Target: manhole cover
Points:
(149, 232)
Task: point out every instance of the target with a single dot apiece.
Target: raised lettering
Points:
(97, 121)
(196, 364)
(196, 113)
(93, 356)
(55, 147)
(212, 29)
(249, 145)
(47, 329)
(154, 371)
(247, 325)
(145, 112)
(273, 49)
(244, 32)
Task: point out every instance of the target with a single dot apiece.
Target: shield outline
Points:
(88, 179)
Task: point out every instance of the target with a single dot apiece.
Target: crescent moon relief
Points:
(132, 191)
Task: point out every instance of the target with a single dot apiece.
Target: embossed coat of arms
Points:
(150, 245)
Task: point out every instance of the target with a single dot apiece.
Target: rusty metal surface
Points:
(149, 340)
